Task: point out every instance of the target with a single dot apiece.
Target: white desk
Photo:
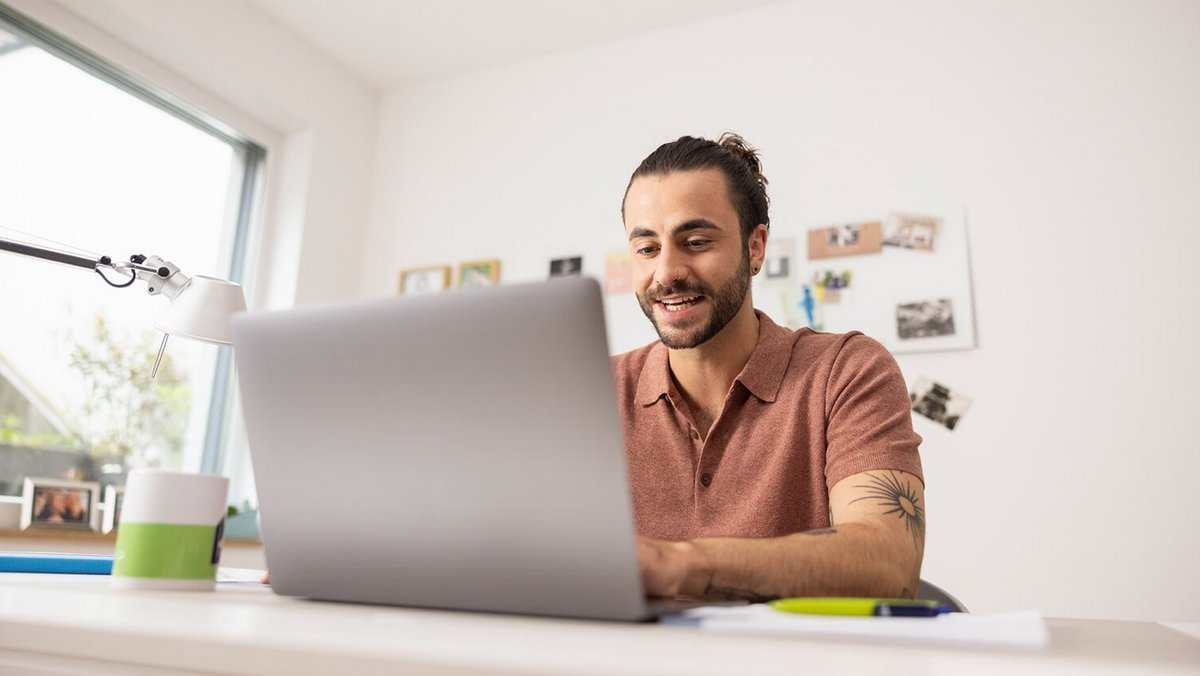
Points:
(69, 624)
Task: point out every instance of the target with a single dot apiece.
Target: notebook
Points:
(459, 450)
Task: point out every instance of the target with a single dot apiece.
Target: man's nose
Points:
(671, 268)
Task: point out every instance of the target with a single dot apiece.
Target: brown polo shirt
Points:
(808, 410)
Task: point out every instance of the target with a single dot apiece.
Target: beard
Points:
(726, 303)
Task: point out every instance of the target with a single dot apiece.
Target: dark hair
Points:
(732, 155)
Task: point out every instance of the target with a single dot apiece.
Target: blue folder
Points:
(42, 562)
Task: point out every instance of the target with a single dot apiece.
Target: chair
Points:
(932, 592)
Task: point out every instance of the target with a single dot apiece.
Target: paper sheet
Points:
(1018, 629)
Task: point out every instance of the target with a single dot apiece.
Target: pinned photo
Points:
(566, 267)
(851, 239)
(908, 231)
(925, 319)
(618, 272)
(779, 265)
(829, 285)
(802, 309)
(938, 402)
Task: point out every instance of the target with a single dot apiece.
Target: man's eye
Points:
(646, 250)
(698, 243)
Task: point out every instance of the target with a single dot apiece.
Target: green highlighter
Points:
(861, 607)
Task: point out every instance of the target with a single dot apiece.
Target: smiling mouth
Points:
(679, 304)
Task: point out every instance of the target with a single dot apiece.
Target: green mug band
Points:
(166, 550)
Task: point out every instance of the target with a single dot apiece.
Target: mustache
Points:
(654, 294)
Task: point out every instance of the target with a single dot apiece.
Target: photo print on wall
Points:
(779, 265)
(618, 272)
(925, 319)
(938, 402)
(908, 231)
(566, 267)
(829, 285)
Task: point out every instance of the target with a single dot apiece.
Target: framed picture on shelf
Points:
(479, 273)
(113, 497)
(431, 279)
(60, 505)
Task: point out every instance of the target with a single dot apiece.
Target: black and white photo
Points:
(925, 319)
(938, 402)
(566, 267)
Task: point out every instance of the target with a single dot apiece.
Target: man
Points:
(764, 462)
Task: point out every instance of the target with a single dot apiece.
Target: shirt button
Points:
(705, 479)
(695, 435)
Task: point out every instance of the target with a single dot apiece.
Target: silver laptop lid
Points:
(458, 450)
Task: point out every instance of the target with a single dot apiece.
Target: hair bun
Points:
(738, 146)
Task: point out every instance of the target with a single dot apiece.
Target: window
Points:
(94, 162)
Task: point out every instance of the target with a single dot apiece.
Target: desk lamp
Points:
(200, 306)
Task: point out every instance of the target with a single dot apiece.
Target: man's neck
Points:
(705, 373)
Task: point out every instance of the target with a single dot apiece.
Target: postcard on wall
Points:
(618, 272)
(829, 285)
(424, 280)
(779, 265)
(850, 239)
(910, 231)
(479, 273)
(801, 309)
(925, 319)
(938, 402)
(566, 267)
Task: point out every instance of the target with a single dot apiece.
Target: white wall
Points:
(1068, 129)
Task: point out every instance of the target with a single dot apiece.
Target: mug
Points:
(171, 530)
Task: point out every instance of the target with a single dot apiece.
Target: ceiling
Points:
(390, 43)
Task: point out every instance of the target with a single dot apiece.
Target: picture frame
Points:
(114, 497)
(419, 281)
(484, 272)
(57, 504)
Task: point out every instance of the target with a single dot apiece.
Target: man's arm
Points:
(874, 548)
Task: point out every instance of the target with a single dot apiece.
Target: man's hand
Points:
(670, 569)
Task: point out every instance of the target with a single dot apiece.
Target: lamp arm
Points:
(161, 276)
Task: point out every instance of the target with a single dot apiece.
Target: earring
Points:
(756, 269)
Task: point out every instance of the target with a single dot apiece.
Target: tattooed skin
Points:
(899, 499)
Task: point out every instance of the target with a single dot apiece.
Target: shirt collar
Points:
(762, 375)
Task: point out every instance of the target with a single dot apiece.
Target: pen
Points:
(818, 605)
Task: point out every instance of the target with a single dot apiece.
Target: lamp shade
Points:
(202, 310)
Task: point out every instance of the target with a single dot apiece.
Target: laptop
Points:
(457, 451)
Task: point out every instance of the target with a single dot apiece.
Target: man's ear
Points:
(758, 246)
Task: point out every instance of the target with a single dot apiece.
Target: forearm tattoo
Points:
(899, 499)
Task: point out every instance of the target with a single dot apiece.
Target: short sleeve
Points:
(868, 416)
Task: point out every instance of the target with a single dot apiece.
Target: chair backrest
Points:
(929, 590)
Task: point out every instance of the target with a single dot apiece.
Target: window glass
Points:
(88, 168)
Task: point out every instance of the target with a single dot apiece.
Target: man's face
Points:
(691, 270)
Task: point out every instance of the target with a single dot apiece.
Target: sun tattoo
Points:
(900, 500)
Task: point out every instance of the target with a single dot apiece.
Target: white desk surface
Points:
(78, 624)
